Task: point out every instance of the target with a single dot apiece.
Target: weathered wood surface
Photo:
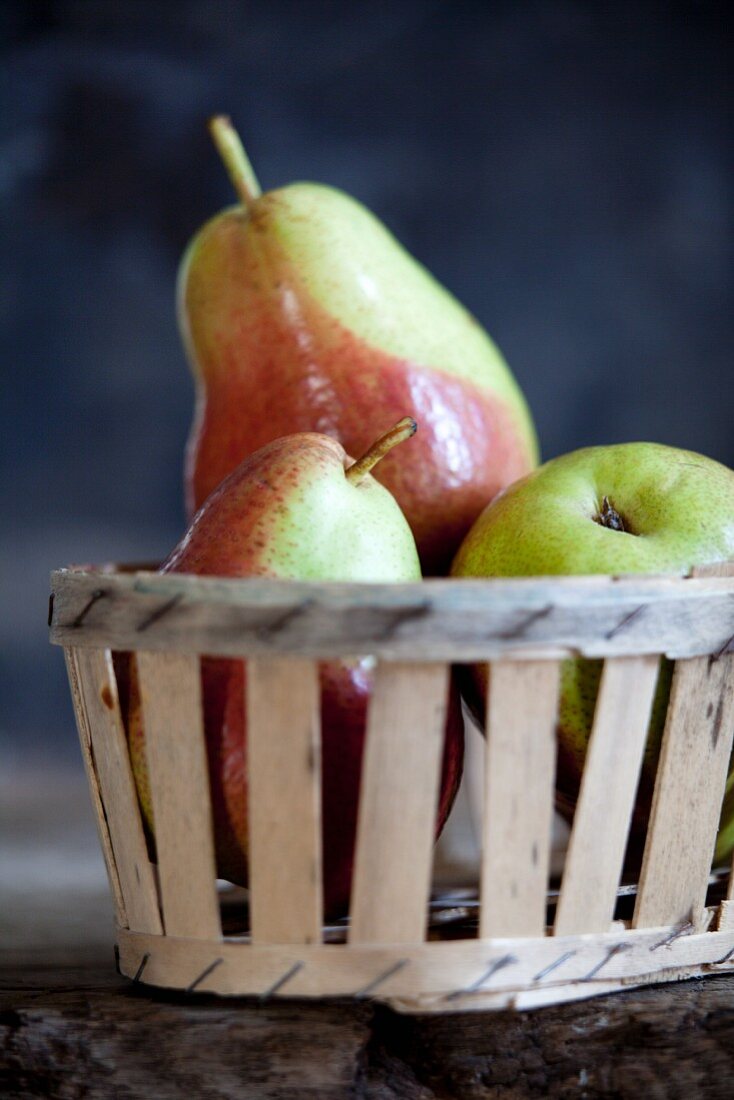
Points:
(691, 779)
(170, 695)
(70, 1028)
(520, 769)
(85, 1033)
(104, 745)
(397, 810)
(444, 620)
(601, 823)
(284, 800)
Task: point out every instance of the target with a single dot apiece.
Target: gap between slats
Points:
(170, 694)
(398, 803)
(284, 795)
(108, 764)
(601, 822)
(522, 706)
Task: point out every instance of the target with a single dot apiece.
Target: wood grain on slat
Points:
(85, 741)
(104, 747)
(689, 790)
(520, 774)
(611, 773)
(284, 793)
(690, 782)
(398, 804)
(436, 620)
(170, 693)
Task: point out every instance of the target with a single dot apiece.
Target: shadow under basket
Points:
(507, 946)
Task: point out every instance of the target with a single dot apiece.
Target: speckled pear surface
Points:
(677, 509)
(289, 511)
(301, 312)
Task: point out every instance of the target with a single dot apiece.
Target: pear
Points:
(301, 312)
(626, 508)
(298, 508)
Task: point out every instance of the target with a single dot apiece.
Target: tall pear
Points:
(301, 312)
(299, 509)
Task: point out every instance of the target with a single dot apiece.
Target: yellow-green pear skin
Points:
(624, 508)
(297, 509)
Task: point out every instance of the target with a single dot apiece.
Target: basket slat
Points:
(105, 748)
(398, 804)
(284, 801)
(689, 789)
(71, 656)
(170, 695)
(611, 773)
(519, 782)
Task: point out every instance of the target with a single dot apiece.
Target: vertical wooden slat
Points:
(170, 695)
(284, 800)
(520, 774)
(398, 804)
(107, 762)
(689, 789)
(611, 773)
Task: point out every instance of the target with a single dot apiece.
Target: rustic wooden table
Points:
(70, 1027)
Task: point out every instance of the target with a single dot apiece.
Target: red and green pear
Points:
(299, 508)
(301, 312)
(628, 508)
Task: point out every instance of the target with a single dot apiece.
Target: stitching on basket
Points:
(677, 932)
(141, 968)
(554, 965)
(204, 974)
(616, 950)
(728, 647)
(369, 989)
(281, 981)
(266, 632)
(98, 594)
(624, 622)
(159, 612)
(524, 625)
(475, 987)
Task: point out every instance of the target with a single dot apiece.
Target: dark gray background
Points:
(561, 166)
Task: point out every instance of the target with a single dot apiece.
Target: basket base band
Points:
(449, 976)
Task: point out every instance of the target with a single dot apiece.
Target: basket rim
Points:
(450, 619)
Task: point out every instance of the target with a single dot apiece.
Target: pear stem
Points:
(404, 429)
(236, 161)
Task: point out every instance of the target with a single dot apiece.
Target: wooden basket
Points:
(516, 951)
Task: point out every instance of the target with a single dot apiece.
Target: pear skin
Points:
(300, 509)
(301, 312)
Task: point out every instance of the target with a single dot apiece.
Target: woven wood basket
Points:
(516, 945)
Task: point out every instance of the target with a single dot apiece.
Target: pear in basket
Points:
(626, 508)
(301, 312)
(298, 509)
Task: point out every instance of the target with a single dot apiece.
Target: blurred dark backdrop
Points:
(561, 166)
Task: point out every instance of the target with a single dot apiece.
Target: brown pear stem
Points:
(236, 161)
(404, 429)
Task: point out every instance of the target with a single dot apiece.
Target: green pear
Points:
(301, 312)
(298, 509)
(629, 508)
